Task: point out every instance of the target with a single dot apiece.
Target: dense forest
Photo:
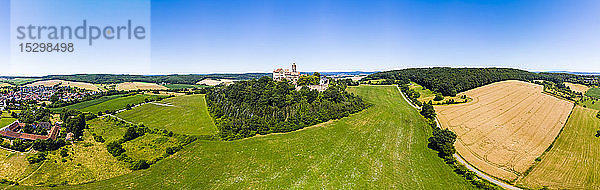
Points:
(172, 79)
(264, 106)
(450, 81)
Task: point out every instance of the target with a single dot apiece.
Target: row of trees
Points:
(172, 79)
(442, 141)
(450, 81)
(264, 106)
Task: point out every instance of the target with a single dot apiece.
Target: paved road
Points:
(462, 161)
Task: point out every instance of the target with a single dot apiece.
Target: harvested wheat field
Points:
(82, 85)
(573, 161)
(578, 87)
(5, 84)
(215, 82)
(506, 126)
(139, 86)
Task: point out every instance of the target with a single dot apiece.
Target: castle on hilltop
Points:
(285, 74)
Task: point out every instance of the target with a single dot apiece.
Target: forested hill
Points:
(450, 81)
(173, 79)
(263, 106)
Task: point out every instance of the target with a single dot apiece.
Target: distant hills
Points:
(574, 73)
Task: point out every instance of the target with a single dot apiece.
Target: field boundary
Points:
(547, 149)
(464, 162)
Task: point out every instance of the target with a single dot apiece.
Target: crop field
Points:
(180, 86)
(215, 82)
(87, 161)
(593, 92)
(82, 85)
(82, 105)
(573, 162)
(5, 84)
(112, 103)
(506, 127)
(383, 147)
(19, 81)
(180, 114)
(139, 86)
(577, 87)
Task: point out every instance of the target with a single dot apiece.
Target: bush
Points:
(98, 138)
(37, 157)
(438, 97)
(64, 152)
(115, 148)
(139, 165)
(443, 142)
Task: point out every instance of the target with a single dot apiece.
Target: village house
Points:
(13, 130)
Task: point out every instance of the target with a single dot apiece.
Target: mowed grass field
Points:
(506, 127)
(82, 105)
(383, 147)
(593, 92)
(180, 114)
(114, 102)
(573, 162)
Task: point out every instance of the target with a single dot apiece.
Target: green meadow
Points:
(114, 102)
(180, 114)
(383, 147)
(593, 92)
(573, 161)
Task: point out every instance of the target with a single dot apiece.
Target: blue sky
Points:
(190, 36)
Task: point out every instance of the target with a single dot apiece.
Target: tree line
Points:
(172, 79)
(263, 106)
(450, 81)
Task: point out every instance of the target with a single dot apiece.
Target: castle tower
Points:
(294, 67)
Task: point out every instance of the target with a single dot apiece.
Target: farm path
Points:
(462, 161)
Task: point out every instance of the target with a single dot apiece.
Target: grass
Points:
(180, 114)
(82, 105)
(383, 147)
(87, 161)
(149, 146)
(108, 130)
(593, 92)
(428, 95)
(6, 121)
(573, 161)
(13, 166)
(592, 104)
(20, 81)
(114, 102)
(180, 86)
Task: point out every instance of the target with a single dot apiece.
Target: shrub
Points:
(37, 157)
(115, 148)
(438, 97)
(64, 152)
(139, 165)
